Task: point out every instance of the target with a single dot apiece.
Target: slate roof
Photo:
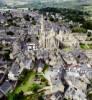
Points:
(5, 87)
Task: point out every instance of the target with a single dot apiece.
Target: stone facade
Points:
(51, 39)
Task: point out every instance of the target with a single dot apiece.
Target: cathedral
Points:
(52, 40)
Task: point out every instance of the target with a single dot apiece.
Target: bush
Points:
(79, 30)
(87, 24)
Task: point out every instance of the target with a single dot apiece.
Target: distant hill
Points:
(38, 4)
(2, 3)
(77, 4)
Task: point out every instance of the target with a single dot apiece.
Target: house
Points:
(2, 18)
(80, 56)
(54, 79)
(89, 31)
(26, 64)
(31, 46)
(75, 94)
(1, 94)
(31, 42)
(54, 96)
(3, 71)
(42, 54)
(5, 87)
(14, 72)
(69, 58)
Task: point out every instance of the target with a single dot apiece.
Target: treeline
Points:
(70, 14)
(77, 16)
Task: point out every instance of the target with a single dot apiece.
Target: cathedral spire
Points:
(42, 24)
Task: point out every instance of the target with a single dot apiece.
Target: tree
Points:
(27, 17)
(19, 96)
(87, 24)
(10, 33)
(35, 87)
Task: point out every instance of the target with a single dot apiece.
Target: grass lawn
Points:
(67, 49)
(83, 46)
(90, 46)
(26, 84)
(86, 47)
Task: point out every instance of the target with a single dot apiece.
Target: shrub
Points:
(79, 30)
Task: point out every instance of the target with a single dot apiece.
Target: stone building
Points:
(52, 39)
